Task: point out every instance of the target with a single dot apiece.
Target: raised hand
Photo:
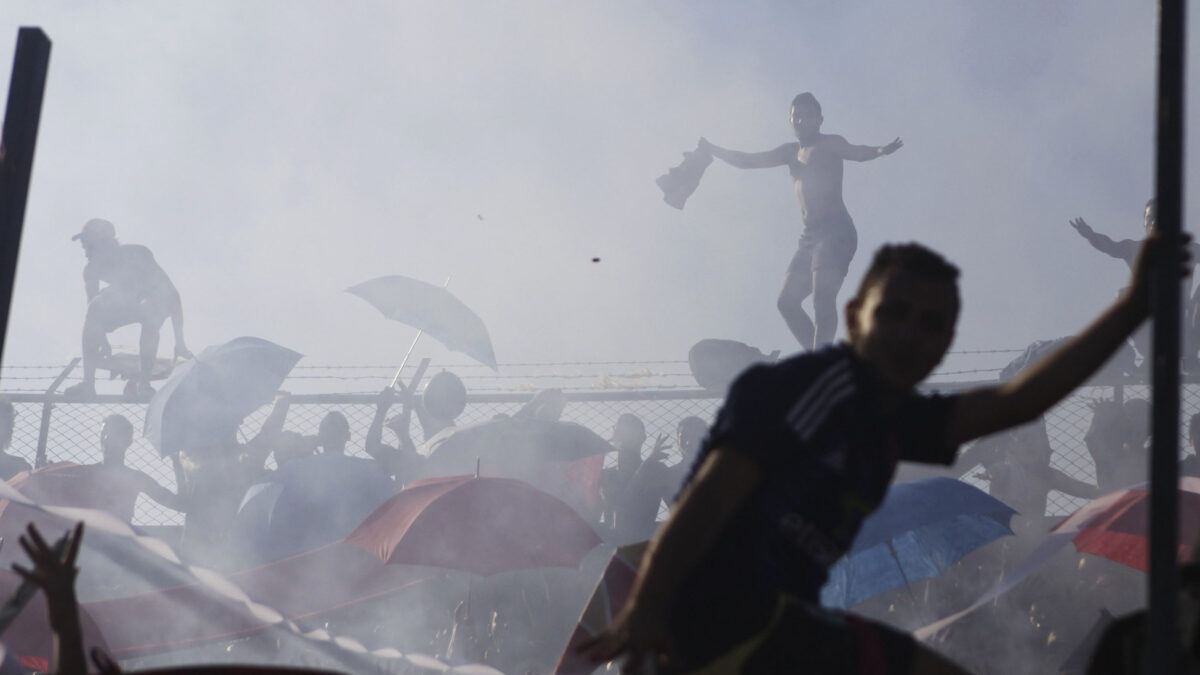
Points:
(1082, 227)
(659, 452)
(386, 398)
(53, 571)
(891, 147)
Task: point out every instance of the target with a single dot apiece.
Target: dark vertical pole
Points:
(1163, 639)
(16, 154)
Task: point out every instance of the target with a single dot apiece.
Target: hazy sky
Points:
(272, 154)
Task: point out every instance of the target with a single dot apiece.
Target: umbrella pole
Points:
(470, 579)
(407, 354)
(920, 609)
(412, 346)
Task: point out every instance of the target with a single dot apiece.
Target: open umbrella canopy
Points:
(1120, 531)
(432, 309)
(550, 455)
(510, 441)
(317, 500)
(919, 530)
(480, 525)
(208, 396)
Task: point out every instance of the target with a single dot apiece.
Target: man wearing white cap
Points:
(136, 291)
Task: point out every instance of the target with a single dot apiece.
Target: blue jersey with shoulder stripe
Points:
(827, 442)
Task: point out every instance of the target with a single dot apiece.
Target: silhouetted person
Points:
(212, 480)
(1126, 250)
(10, 465)
(1116, 439)
(114, 486)
(1016, 464)
(690, 434)
(829, 239)
(628, 436)
(137, 291)
(402, 462)
(444, 399)
(654, 482)
(803, 451)
(333, 433)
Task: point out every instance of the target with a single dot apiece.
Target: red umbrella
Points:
(480, 525)
(1121, 530)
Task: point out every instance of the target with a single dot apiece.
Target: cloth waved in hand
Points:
(679, 182)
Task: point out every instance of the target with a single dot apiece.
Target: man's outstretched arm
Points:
(1025, 397)
(751, 160)
(640, 630)
(1126, 249)
(862, 153)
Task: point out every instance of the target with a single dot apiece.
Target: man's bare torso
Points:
(817, 173)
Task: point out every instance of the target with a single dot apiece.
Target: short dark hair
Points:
(806, 98)
(119, 421)
(911, 257)
(333, 421)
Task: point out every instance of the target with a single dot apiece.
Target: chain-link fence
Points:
(72, 429)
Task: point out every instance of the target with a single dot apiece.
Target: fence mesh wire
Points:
(74, 429)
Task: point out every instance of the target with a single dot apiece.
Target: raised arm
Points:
(256, 450)
(151, 488)
(862, 153)
(1030, 394)
(752, 160)
(1126, 249)
(54, 572)
(374, 442)
(1076, 488)
(725, 480)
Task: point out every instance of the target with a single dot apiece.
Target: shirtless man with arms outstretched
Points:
(829, 239)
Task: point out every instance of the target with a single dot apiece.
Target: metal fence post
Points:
(1162, 639)
(39, 459)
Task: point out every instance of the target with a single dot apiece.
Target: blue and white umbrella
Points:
(920, 530)
(210, 395)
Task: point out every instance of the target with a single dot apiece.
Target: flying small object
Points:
(479, 216)
(595, 260)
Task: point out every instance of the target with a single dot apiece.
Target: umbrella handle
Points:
(412, 346)
(407, 354)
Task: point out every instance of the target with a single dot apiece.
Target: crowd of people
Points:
(744, 525)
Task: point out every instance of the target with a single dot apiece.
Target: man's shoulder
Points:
(134, 252)
(791, 377)
(808, 364)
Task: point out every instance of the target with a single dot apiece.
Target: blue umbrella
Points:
(210, 395)
(921, 529)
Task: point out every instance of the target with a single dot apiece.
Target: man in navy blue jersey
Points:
(801, 452)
